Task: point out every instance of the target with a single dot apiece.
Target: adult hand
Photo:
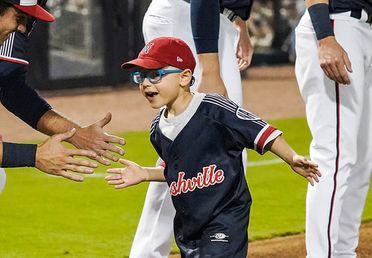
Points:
(93, 138)
(55, 159)
(244, 49)
(334, 60)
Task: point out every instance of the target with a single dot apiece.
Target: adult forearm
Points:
(240, 25)
(309, 3)
(209, 63)
(52, 123)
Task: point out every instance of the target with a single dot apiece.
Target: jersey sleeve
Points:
(246, 129)
(153, 135)
(205, 24)
(241, 8)
(20, 99)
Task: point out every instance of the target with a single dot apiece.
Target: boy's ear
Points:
(185, 77)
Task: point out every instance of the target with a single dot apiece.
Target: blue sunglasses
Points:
(154, 76)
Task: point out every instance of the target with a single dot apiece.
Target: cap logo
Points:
(179, 59)
(146, 49)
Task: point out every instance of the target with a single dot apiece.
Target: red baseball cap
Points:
(31, 8)
(164, 51)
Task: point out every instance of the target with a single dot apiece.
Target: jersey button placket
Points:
(175, 158)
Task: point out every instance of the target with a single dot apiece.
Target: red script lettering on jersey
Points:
(209, 176)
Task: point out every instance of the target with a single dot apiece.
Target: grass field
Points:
(43, 216)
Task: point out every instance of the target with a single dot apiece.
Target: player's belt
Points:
(230, 14)
(358, 14)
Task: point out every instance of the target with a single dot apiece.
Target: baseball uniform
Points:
(339, 117)
(15, 94)
(172, 18)
(206, 175)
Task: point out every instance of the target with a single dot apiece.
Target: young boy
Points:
(200, 138)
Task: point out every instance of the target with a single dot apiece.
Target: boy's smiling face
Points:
(162, 93)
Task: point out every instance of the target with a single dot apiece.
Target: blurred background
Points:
(86, 44)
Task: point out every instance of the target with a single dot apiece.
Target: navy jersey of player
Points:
(15, 94)
(206, 36)
(205, 174)
(339, 6)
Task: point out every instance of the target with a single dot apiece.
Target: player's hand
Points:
(306, 168)
(244, 49)
(93, 138)
(55, 159)
(131, 174)
(334, 60)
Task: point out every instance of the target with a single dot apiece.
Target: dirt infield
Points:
(271, 93)
(294, 246)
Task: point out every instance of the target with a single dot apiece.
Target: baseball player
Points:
(334, 73)
(200, 138)
(14, 15)
(222, 45)
(22, 100)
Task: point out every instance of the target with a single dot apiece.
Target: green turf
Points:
(43, 216)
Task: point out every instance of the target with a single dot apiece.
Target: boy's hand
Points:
(306, 168)
(132, 174)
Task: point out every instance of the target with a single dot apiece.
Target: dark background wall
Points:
(89, 40)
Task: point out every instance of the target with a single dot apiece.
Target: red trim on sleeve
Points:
(263, 138)
(14, 60)
(162, 164)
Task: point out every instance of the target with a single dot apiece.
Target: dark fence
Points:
(89, 40)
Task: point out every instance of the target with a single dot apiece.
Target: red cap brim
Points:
(36, 11)
(144, 63)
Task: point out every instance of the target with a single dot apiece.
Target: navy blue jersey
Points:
(205, 174)
(241, 7)
(18, 97)
(205, 21)
(15, 94)
(339, 6)
(14, 49)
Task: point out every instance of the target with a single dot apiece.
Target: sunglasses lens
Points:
(137, 77)
(154, 76)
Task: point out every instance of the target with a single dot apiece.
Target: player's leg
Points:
(2, 179)
(332, 114)
(155, 228)
(230, 73)
(306, 65)
(359, 180)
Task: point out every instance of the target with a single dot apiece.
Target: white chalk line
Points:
(260, 163)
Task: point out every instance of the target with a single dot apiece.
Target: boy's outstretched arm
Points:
(133, 174)
(299, 164)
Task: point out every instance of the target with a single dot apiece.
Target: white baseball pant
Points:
(172, 18)
(339, 117)
(2, 179)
